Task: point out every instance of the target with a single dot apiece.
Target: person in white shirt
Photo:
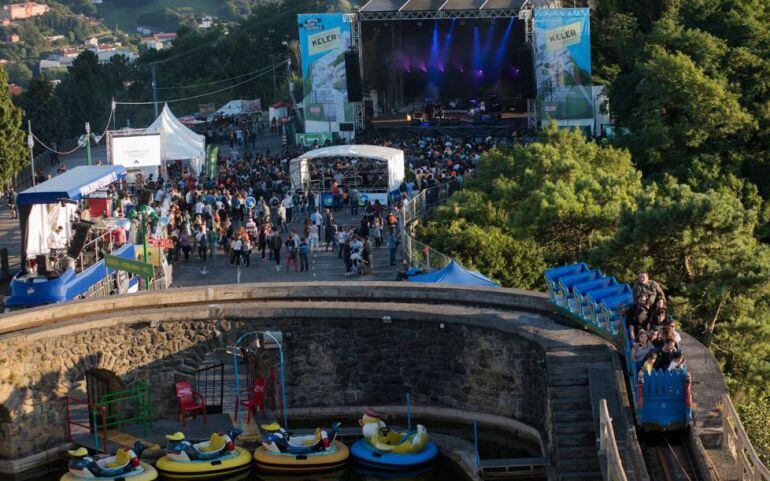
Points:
(288, 205)
(312, 240)
(56, 239)
(199, 207)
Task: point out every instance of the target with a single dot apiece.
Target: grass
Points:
(126, 17)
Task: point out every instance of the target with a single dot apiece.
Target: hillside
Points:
(167, 14)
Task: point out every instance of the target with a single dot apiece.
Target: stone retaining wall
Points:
(337, 353)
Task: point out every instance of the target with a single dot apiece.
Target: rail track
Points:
(669, 457)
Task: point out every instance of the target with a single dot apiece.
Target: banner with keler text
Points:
(324, 38)
(563, 63)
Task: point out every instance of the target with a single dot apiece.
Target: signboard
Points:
(136, 151)
(154, 254)
(308, 140)
(563, 63)
(121, 263)
(205, 109)
(324, 38)
(371, 197)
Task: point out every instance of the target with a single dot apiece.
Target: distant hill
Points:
(167, 14)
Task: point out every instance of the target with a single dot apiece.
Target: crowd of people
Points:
(250, 209)
(656, 342)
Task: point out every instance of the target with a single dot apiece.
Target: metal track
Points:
(669, 457)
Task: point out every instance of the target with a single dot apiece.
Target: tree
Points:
(13, 150)
(700, 246)
(676, 112)
(43, 109)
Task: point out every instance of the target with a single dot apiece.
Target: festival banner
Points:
(563, 63)
(324, 38)
(318, 138)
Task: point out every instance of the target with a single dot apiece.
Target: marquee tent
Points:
(238, 107)
(454, 273)
(178, 142)
(300, 174)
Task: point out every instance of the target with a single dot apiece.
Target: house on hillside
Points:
(158, 41)
(206, 22)
(23, 11)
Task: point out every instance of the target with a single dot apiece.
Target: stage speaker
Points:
(353, 75)
(79, 238)
(526, 72)
(346, 127)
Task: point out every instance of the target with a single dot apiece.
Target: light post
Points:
(238, 381)
(88, 142)
(31, 145)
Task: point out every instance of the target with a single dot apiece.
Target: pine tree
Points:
(12, 139)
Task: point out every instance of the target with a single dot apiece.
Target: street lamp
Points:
(238, 381)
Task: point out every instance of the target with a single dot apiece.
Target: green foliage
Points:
(700, 246)
(534, 206)
(13, 151)
(754, 416)
(44, 110)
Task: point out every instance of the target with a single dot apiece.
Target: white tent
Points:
(300, 174)
(177, 142)
(238, 107)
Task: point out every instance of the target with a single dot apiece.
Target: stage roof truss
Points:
(385, 10)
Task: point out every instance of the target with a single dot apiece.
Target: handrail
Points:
(419, 253)
(738, 445)
(608, 446)
(100, 436)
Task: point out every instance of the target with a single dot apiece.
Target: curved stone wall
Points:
(448, 354)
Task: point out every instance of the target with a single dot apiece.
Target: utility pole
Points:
(154, 89)
(88, 142)
(31, 145)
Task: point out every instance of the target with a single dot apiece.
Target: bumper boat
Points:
(283, 453)
(215, 457)
(124, 465)
(386, 449)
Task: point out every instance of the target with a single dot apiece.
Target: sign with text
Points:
(323, 39)
(122, 264)
(563, 64)
(319, 138)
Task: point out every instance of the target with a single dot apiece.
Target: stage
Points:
(445, 65)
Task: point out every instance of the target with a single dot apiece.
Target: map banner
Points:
(324, 38)
(563, 63)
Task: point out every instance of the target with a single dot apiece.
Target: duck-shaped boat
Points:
(385, 448)
(124, 465)
(212, 458)
(282, 452)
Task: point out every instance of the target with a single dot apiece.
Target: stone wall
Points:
(329, 362)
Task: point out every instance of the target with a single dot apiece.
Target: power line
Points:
(269, 20)
(179, 87)
(80, 145)
(264, 71)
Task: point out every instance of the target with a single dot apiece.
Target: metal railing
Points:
(736, 442)
(608, 447)
(95, 413)
(419, 254)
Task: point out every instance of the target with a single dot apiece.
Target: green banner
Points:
(213, 154)
(137, 267)
(308, 140)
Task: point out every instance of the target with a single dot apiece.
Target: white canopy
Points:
(238, 107)
(177, 142)
(300, 174)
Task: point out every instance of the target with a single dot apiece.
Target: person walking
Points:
(303, 251)
(276, 243)
(246, 250)
(392, 246)
(236, 245)
(291, 254)
(213, 239)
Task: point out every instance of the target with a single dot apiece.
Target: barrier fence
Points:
(736, 442)
(419, 254)
(608, 447)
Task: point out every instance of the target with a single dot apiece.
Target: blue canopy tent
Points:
(73, 184)
(454, 273)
